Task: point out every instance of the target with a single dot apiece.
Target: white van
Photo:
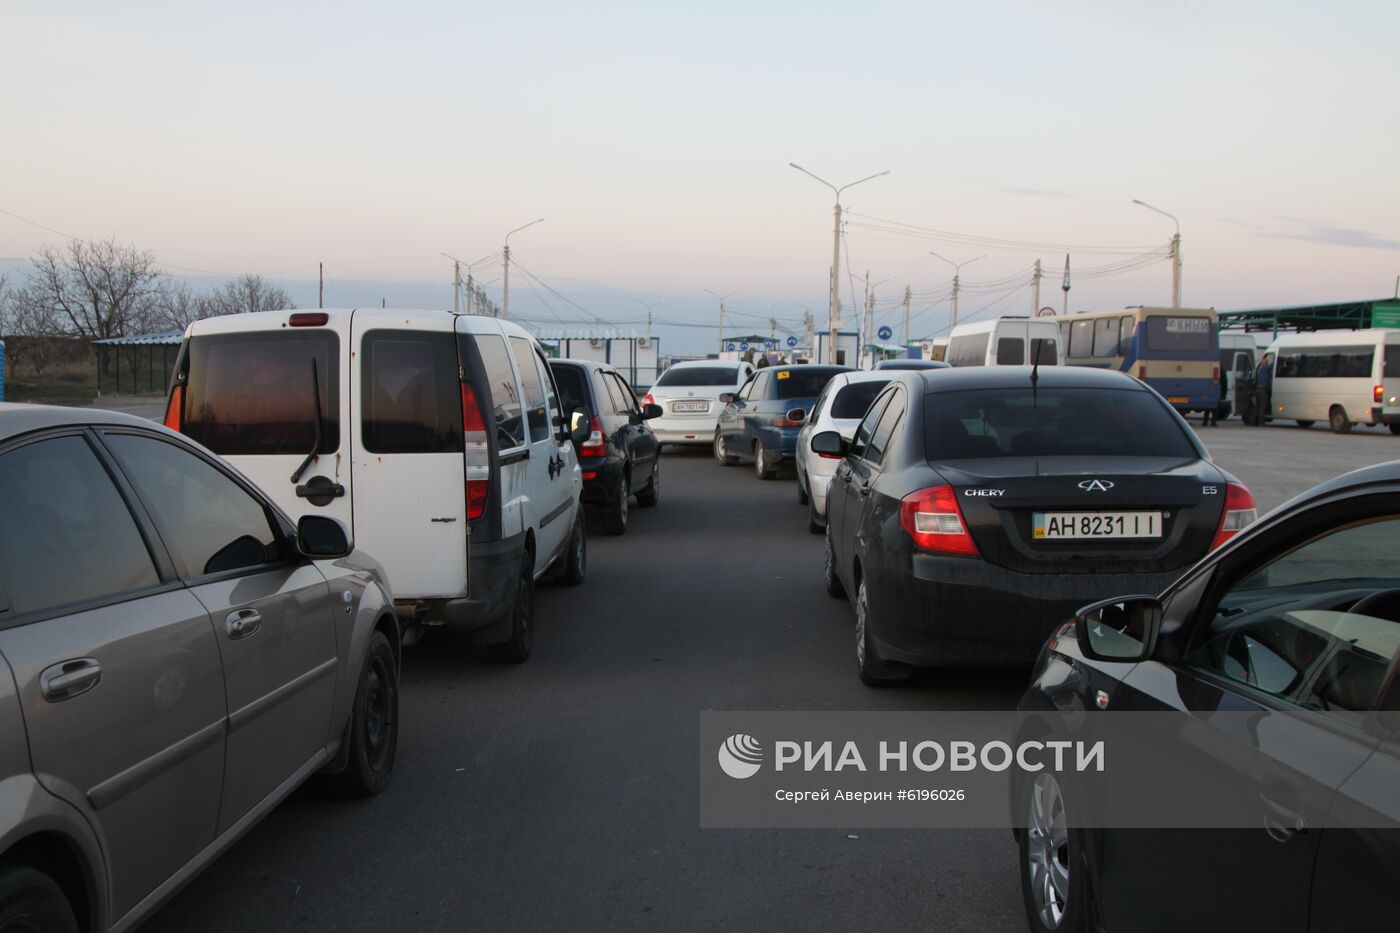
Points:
(1345, 376)
(1005, 341)
(437, 440)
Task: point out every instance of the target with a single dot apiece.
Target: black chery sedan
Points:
(1282, 651)
(975, 509)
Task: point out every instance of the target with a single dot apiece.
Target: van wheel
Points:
(1338, 421)
(1306, 424)
(576, 560)
(522, 628)
(31, 900)
(648, 497)
(374, 724)
(722, 455)
(761, 465)
(615, 519)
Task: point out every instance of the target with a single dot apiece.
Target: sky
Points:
(655, 141)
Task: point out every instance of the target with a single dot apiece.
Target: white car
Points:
(840, 407)
(688, 394)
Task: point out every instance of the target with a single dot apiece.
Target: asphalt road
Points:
(563, 793)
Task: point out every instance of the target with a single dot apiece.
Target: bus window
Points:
(1125, 336)
(1081, 335)
(1106, 336)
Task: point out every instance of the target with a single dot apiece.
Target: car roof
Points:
(684, 363)
(17, 418)
(957, 378)
(427, 318)
(810, 367)
(866, 375)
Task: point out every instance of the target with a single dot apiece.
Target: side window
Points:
(1125, 336)
(411, 396)
(761, 382)
(552, 394)
(68, 536)
(207, 520)
(533, 387)
(866, 428)
(820, 404)
(1081, 339)
(889, 421)
(1318, 627)
(505, 397)
(1011, 351)
(570, 381)
(1106, 336)
(625, 396)
(747, 391)
(616, 404)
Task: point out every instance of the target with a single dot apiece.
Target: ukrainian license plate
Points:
(690, 406)
(1179, 400)
(1057, 526)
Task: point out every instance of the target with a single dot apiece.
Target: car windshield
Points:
(801, 382)
(699, 376)
(1051, 422)
(853, 401)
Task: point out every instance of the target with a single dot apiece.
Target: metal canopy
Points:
(1343, 315)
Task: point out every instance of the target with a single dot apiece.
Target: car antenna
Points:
(316, 425)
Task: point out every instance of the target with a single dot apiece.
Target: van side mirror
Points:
(1122, 629)
(580, 426)
(830, 444)
(797, 415)
(320, 537)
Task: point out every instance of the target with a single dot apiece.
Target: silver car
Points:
(840, 407)
(175, 659)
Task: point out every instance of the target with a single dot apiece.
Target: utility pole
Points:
(957, 281)
(321, 287)
(865, 321)
(470, 294)
(1065, 284)
(721, 313)
(1176, 250)
(907, 295)
(807, 329)
(505, 287)
(1035, 283)
(649, 305)
(456, 287)
(835, 321)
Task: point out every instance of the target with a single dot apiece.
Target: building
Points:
(636, 356)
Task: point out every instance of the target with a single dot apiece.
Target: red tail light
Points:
(308, 319)
(477, 453)
(1379, 394)
(595, 446)
(934, 520)
(1142, 373)
(1240, 511)
(175, 409)
(648, 400)
(1215, 374)
(785, 423)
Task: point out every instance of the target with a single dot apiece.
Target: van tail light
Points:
(308, 319)
(1142, 373)
(1240, 511)
(933, 519)
(175, 409)
(477, 453)
(1215, 374)
(1378, 394)
(595, 446)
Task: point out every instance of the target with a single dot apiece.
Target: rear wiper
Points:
(1035, 377)
(316, 425)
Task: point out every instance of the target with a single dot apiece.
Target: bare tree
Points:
(176, 307)
(31, 325)
(93, 289)
(247, 294)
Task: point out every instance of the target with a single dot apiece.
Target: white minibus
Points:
(1005, 341)
(1344, 376)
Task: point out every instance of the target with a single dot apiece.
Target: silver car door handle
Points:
(69, 679)
(243, 623)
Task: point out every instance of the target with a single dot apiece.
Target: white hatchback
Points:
(688, 394)
(840, 407)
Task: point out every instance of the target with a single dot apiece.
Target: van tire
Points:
(31, 900)
(648, 497)
(575, 560)
(615, 518)
(373, 731)
(517, 648)
(1338, 421)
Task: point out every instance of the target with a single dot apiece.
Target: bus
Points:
(1005, 341)
(1344, 376)
(1174, 350)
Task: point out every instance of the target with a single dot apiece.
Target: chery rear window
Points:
(1051, 422)
(251, 393)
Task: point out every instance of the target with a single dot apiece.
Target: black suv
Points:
(620, 458)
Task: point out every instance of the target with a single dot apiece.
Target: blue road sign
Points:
(744, 345)
(730, 346)
(884, 333)
(767, 344)
(792, 341)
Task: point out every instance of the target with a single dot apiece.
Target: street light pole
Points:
(1176, 251)
(649, 305)
(957, 281)
(505, 288)
(835, 320)
(721, 313)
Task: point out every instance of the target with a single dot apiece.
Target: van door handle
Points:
(334, 490)
(243, 623)
(68, 679)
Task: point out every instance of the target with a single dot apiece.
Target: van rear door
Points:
(253, 397)
(410, 504)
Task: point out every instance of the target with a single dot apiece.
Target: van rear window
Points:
(412, 398)
(250, 394)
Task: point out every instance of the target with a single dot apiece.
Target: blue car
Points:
(756, 422)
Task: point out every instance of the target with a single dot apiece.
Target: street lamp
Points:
(836, 251)
(505, 290)
(721, 313)
(957, 268)
(1176, 251)
(649, 305)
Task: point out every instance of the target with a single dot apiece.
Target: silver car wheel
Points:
(1047, 851)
